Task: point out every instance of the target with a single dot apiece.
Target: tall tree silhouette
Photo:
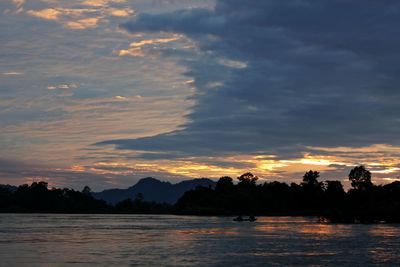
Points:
(334, 195)
(247, 179)
(86, 190)
(311, 193)
(310, 179)
(224, 184)
(360, 178)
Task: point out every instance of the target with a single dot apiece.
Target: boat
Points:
(241, 219)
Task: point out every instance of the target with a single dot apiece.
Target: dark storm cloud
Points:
(291, 74)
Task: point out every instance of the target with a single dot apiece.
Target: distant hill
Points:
(153, 190)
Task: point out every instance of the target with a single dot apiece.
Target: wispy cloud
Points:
(62, 86)
(48, 13)
(85, 15)
(133, 52)
(136, 48)
(12, 73)
(19, 4)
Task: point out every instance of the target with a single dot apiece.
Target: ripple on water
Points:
(166, 240)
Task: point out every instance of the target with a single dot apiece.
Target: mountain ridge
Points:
(153, 190)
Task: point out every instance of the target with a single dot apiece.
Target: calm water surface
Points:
(154, 240)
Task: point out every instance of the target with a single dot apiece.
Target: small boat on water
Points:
(249, 219)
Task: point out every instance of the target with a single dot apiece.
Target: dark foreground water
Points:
(153, 240)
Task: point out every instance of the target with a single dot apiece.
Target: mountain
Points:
(153, 190)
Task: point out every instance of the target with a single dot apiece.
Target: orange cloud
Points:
(82, 23)
(153, 41)
(78, 18)
(135, 48)
(48, 13)
(133, 52)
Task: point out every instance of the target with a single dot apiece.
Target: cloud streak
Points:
(81, 16)
(137, 49)
(12, 73)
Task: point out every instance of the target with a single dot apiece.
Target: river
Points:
(167, 240)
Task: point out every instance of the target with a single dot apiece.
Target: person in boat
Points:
(238, 218)
(252, 218)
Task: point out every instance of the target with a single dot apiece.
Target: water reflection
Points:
(388, 231)
(327, 230)
(148, 240)
(207, 231)
(385, 250)
(302, 225)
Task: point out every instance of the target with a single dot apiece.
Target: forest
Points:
(364, 202)
(38, 198)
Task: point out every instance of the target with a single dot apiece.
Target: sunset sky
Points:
(105, 92)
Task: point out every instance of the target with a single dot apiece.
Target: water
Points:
(166, 240)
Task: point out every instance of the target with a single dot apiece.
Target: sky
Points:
(105, 92)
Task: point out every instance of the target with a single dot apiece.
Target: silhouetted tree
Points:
(334, 188)
(39, 186)
(310, 197)
(374, 204)
(5, 198)
(334, 194)
(310, 179)
(360, 178)
(199, 201)
(38, 198)
(86, 190)
(247, 179)
(275, 197)
(139, 197)
(224, 184)
(124, 206)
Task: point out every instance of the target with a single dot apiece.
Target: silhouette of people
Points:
(239, 218)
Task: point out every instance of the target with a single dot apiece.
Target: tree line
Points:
(37, 197)
(364, 202)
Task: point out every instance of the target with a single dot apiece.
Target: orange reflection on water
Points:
(191, 234)
(301, 225)
(330, 230)
(273, 225)
(385, 231)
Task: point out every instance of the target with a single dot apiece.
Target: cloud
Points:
(153, 41)
(120, 12)
(136, 48)
(99, 175)
(82, 24)
(62, 86)
(44, 118)
(19, 4)
(85, 15)
(289, 74)
(133, 52)
(275, 87)
(118, 97)
(48, 13)
(12, 73)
